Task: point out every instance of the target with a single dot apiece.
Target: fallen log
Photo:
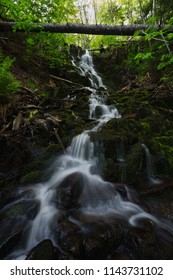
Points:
(122, 30)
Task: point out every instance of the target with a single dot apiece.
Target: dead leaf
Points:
(18, 121)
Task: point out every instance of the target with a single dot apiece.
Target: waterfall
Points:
(148, 161)
(87, 69)
(97, 197)
(149, 166)
(41, 225)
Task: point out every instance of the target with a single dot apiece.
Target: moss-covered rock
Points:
(32, 177)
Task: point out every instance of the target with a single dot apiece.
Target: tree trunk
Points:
(122, 30)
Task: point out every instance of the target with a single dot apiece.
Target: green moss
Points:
(30, 83)
(165, 140)
(14, 210)
(32, 177)
(135, 165)
(145, 127)
(162, 148)
(53, 148)
(110, 172)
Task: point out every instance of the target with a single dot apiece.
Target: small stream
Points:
(81, 163)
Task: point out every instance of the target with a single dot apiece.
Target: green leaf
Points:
(170, 36)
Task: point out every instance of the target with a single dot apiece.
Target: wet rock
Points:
(69, 238)
(152, 186)
(93, 248)
(121, 256)
(164, 239)
(7, 197)
(9, 244)
(13, 155)
(65, 228)
(24, 209)
(42, 251)
(102, 240)
(72, 244)
(32, 178)
(134, 168)
(98, 111)
(10, 233)
(86, 219)
(14, 220)
(122, 253)
(144, 244)
(70, 190)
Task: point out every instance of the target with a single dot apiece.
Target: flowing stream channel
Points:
(96, 195)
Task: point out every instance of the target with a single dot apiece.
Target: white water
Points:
(41, 226)
(148, 161)
(98, 197)
(149, 166)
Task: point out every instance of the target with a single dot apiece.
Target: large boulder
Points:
(101, 240)
(149, 243)
(14, 221)
(70, 190)
(10, 234)
(69, 238)
(42, 251)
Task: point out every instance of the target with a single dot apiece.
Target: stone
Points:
(145, 244)
(69, 238)
(102, 240)
(10, 234)
(70, 190)
(14, 221)
(42, 251)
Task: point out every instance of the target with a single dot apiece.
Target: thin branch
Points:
(64, 80)
(59, 140)
(161, 40)
(157, 39)
(166, 43)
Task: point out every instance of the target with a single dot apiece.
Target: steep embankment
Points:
(145, 105)
(39, 119)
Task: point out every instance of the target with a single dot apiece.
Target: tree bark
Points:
(122, 30)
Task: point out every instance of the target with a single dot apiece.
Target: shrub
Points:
(8, 83)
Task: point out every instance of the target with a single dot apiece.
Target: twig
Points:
(36, 63)
(59, 140)
(166, 43)
(27, 89)
(30, 106)
(157, 39)
(4, 38)
(161, 40)
(5, 127)
(64, 80)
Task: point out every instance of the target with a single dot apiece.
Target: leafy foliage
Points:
(51, 47)
(159, 50)
(37, 11)
(8, 83)
(46, 45)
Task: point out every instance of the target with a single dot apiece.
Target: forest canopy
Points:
(86, 11)
(95, 12)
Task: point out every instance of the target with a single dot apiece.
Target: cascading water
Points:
(148, 161)
(97, 197)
